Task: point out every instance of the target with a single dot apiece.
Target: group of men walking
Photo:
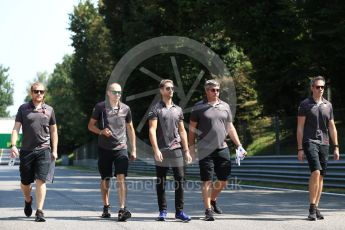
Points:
(210, 124)
(170, 145)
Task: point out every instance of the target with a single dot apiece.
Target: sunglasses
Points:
(169, 88)
(35, 91)
(114, 92)
(214, 90)
(319, 86)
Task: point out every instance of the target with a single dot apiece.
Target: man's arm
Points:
(54, 140)
(153, 139)
(184, 141)
(233, 134)
(14, 138)
(334, 136)
(300, 129)
(92, 126)
(132, 140)
(191, 137)
(235, 139)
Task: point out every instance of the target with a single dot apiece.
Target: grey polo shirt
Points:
(35, 125)
(317, 117)
(212, 124)
(115, 120)
(168, 137)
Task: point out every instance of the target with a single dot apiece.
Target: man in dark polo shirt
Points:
(39, 147)
(212, 120)
(110, 119)
(315, 124)
(168, 139)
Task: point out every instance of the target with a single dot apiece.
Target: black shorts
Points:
(317, 156)
(219, 162)
(34, 165)
(107, 158)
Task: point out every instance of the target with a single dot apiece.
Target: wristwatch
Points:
(12, 146)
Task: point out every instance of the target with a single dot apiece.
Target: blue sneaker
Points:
(180, 215)
(162, 215)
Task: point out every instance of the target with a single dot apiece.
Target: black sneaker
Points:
(209, 215)
(124, 214)
(215, 208)
(319, 216)
(312, 214)
(27, 208)
(39, 216)
(106, 213)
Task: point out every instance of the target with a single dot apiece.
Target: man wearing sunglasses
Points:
(110, 120)
(38, 149)
(211, 122)
(169, 141)
(315, 123)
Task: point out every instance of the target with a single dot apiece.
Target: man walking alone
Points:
(315, 123)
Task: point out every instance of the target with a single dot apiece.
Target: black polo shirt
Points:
(115, 120)
(317, 120)
(212, 124)
(35, 125)
(168, 137)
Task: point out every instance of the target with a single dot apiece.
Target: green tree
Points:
(6, 91)
(324, 41)
(132, 22)
(271, 35)
(287, 42)
(71, 121)
(92, 63)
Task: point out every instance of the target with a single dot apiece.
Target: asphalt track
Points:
(73, 202)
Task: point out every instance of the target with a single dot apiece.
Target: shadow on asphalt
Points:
(79, 191)
(138, 219)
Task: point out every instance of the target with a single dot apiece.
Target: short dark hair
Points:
(317, 78)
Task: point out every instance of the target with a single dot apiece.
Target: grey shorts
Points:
(34, 165)
(317, 156)
(171, 158)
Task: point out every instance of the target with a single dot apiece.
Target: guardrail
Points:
(279, 169)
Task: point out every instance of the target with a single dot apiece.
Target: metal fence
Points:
(277, 134)
(276, 169)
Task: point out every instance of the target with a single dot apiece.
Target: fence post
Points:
(276, 126)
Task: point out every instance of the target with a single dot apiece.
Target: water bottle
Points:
(12, 161)
(240, 155)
